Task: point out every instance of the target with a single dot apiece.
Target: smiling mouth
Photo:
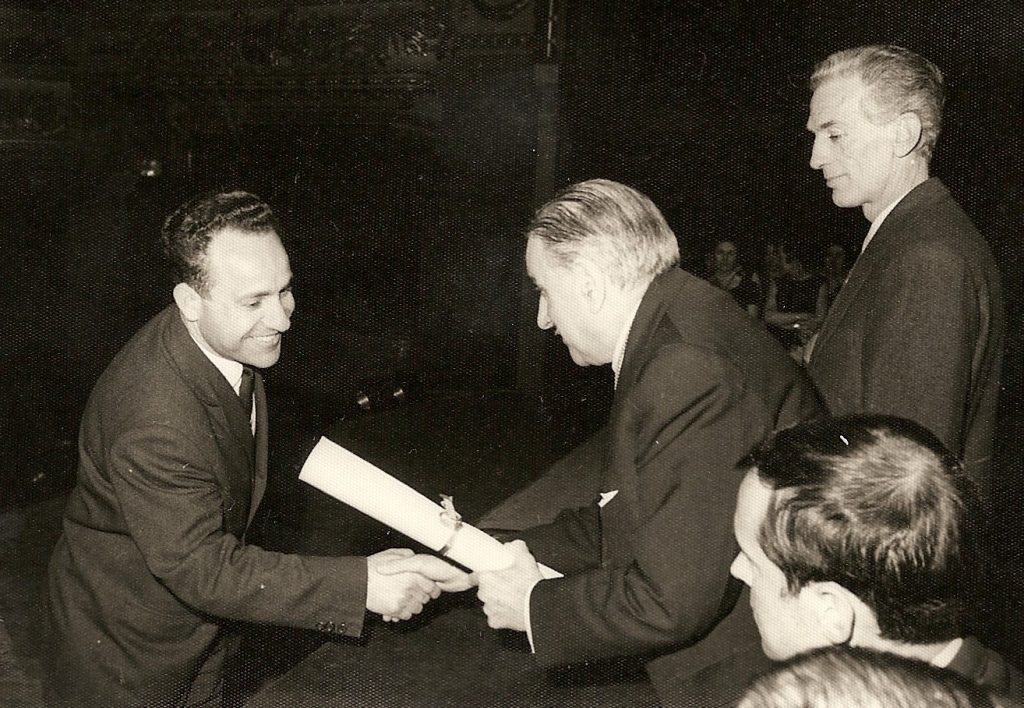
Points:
(268, 338)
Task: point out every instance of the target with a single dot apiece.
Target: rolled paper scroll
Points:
(349, 478)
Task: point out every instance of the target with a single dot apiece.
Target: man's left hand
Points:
(504, 592)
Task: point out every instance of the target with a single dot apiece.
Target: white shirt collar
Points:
(620, 346)
(231, 370)
(947, 655)
(880, 218)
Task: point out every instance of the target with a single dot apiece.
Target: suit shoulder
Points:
(943, 223)
(141, 384)
(683, 369)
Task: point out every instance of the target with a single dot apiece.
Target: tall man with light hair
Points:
(917, 330)
(698, 383)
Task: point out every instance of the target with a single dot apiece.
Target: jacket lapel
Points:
(619, 516)
(859, 275)
(232, 429)
(877, 255)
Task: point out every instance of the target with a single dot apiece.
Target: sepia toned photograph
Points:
(489, 353)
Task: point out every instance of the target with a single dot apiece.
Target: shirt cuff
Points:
(526, 616)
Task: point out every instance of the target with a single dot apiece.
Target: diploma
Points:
(348, 478)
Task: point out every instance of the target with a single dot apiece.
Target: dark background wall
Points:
(404, 145)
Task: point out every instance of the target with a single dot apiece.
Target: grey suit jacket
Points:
(152, 560)
(918, 328)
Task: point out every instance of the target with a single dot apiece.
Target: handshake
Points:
(399, 583)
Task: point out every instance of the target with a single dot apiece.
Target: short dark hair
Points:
(900, 81)
(186, 233)
(878, 505)
(615, 225)
(843, 677)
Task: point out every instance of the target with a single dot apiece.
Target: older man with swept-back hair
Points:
(862, 531)
(918, 328)
(697, 384)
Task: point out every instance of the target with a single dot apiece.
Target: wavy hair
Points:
(187, 232)
(899, 80)
(614, 225)
(876, 504)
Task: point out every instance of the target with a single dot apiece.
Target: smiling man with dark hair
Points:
(153, 567)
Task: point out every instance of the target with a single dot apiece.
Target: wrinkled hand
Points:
(503, 592)
(448, 577)
(396, 596)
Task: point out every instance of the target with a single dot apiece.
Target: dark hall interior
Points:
(403, 145)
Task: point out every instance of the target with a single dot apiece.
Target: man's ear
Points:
(591, 282)
(189, 302)
(908, 133)
(834, 608)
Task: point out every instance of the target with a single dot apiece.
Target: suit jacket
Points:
(987, 668)
(648, 573)
(152, 560)
(918, 328)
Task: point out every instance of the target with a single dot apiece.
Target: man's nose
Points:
(736, 569)
(279, 315)
(818, 152)
(543, 320)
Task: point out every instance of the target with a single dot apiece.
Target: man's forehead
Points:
(246, 257)
(538, 259)
(836, 100)
(234, 234)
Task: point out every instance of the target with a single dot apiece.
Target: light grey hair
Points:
(899, 81)
(615, 226)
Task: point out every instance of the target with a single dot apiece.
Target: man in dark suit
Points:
(917, 330)
(698, 383)
(862, 531)
(153, 565)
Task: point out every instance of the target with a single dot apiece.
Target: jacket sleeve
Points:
(570, 543)
(918, 352)
(684, 426)
(171, 501)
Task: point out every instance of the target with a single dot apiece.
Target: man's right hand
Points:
(396, 596)
(448, 577)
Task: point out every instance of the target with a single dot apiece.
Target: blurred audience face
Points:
(788, 623)
(835, 259)
(725, 256)
(855, 149)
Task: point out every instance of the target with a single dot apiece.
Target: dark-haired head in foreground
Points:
(859, 530)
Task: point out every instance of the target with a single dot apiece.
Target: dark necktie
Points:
(245, 388)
